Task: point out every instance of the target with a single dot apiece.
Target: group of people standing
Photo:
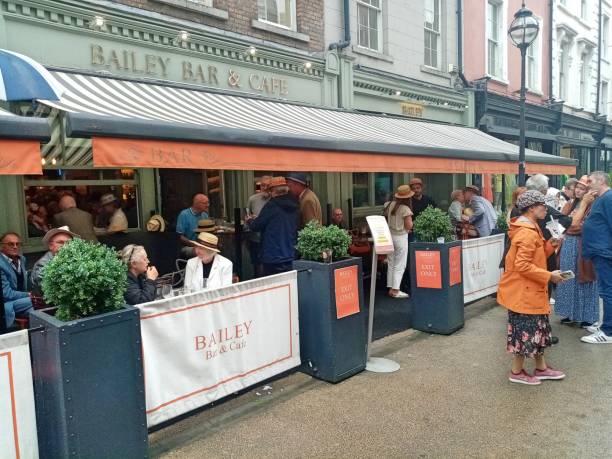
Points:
(583, 275)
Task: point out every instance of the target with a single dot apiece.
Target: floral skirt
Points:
(528, 334)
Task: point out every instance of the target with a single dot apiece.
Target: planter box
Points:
(436, 277)
(89, 386)
(332, 348)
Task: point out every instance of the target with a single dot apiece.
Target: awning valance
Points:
(20, 139)
(151, 125)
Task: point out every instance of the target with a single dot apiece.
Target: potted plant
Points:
(436, 274)
(87, 361)
(333, 329)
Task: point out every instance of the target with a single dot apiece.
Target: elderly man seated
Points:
(208, 269)
(17, 300)
(54, 239)
(141, 277)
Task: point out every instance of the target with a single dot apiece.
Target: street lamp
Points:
(523, 31)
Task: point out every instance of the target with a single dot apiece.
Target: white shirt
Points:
(220, 273)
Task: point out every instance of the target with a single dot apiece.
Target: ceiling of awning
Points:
(150, 114)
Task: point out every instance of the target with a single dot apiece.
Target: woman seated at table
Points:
(141, 277)
(208, 270)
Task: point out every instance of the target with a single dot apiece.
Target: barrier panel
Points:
(200, 347)
(481, 271)
(18, 437)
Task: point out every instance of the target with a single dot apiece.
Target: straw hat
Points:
(277, 181)
(107, 198)
(156, 224)
(404, 192)
(584, 181)
(61, 230)
(206, 225)
(207, 241)
(472, 188)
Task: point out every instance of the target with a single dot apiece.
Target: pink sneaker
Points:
(524, 378)
(549, 373)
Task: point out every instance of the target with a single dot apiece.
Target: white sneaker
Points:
(593, 328)
(552, 301)
(598, 337)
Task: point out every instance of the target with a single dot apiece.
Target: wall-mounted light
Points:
(307, 65)
(54, 161)
(181, 37)
(251, 51)
(43, 161)
(97, 22)
(398, 93)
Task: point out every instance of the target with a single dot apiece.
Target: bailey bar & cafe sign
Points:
(195, 72)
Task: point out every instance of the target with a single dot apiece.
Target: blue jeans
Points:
(603, 266)
(20, 306)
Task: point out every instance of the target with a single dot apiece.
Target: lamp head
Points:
(524, 28)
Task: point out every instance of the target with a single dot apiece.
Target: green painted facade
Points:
(59, 34)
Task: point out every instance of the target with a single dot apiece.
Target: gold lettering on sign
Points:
(129, 61)
(412, 110)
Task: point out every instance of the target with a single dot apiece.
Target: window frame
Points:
(535, 60)
(584, 9)
(584, 79)
(500, 72)
(603, 101)
(432, 32)
(371, 201)
(379, 24)
(263, 3)
(563, 70)
(605, 36)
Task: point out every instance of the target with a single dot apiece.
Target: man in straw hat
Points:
(118, 222)
(278, 223)
(208, 269)
(55, 239)
(310, 207)
(420, 201)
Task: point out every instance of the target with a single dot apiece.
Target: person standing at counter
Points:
(254, 206)
(187, 222)
(310, 207)
(278, 224)
(76, 219)
(118, 222)
(208, 269)
(140, 277)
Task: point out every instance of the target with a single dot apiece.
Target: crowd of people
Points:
(570, 248)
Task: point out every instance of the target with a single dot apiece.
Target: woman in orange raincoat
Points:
(523, 290)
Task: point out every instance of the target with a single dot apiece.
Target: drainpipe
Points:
(347, 28)
(459, 11)
(550, 49)
(599, 43)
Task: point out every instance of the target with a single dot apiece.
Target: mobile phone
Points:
(566, 275)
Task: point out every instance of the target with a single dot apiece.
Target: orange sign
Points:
(19, 157)
(428, 272)
(454, 265)
(347, 291)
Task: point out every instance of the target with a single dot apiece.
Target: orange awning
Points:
(117, 152)
(19, 157)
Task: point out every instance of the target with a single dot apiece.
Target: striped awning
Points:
(140, 124)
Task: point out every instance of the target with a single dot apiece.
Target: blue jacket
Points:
(278, 224)
(597, 228)
(9, 280)
(484, 217)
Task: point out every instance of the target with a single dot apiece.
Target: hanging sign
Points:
(428, 269)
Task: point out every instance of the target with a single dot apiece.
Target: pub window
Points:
(277, 12)
(563, 64)
(369, 24)
(584, 9)
(584, 78)
(372, 189)
(604, 99)
(605, 31)
(43, 192)
(432, 33)
(494, 38)
(533, 65)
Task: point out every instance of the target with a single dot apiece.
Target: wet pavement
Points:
(451, 398)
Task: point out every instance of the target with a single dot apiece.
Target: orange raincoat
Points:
(523, 287)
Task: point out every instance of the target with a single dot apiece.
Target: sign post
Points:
(383, 244)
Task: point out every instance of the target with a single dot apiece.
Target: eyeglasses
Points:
(12, 244)
(60, 242)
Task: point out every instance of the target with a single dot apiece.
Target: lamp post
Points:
(523, 31)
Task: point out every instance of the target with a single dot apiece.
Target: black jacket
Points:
(139, 289)
(278, 223)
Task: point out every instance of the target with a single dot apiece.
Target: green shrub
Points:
(502, 223)
(431, 224)
(84, 279)
(314, 239)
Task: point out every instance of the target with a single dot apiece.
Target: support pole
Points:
(521, 166)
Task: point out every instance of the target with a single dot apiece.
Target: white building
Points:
(576, 50)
